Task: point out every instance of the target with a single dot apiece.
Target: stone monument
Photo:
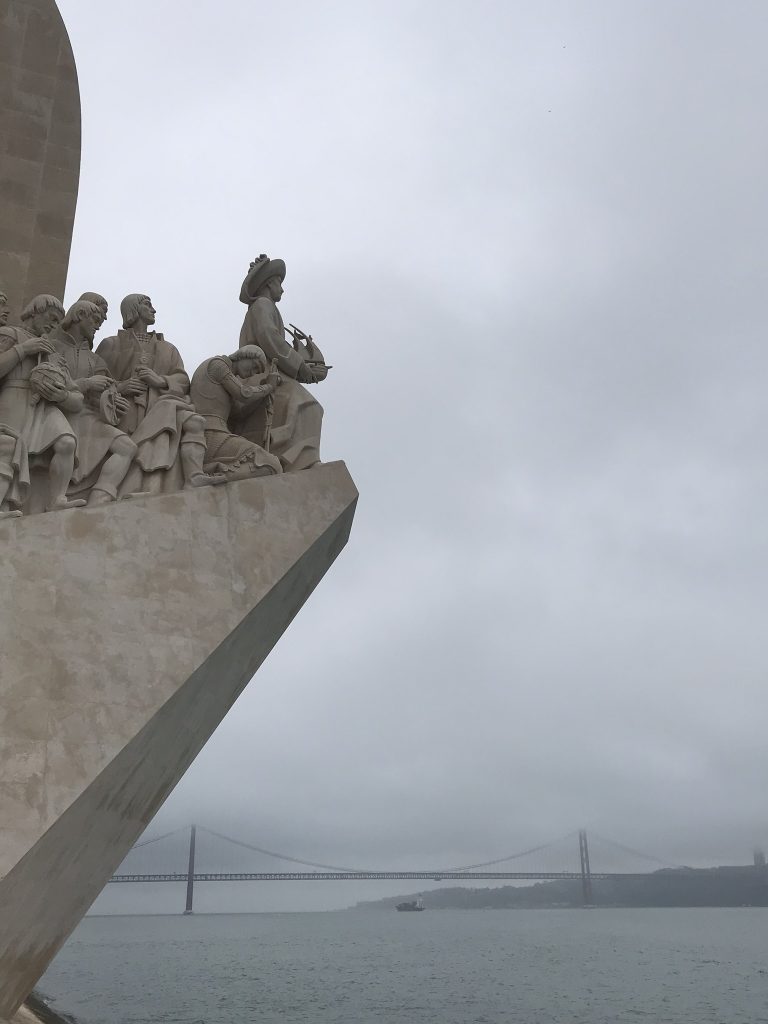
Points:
(39, 150)
(128, 628)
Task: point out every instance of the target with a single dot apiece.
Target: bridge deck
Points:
(352, 876)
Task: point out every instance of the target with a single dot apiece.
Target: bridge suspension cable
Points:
(635, 853)
(512, 856)
(333, 867)
(438, 871)
(157, 839)
(280, 856)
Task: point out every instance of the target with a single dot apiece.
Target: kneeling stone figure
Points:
(220, 387)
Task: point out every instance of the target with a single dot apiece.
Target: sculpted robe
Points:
(298, 416)
(156, 418)
(94, 436)
(36, 425)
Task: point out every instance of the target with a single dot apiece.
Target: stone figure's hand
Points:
(98, 383)
(37, 346)
(51, 392)
(147, 376)
(122, 405)
(74, 402)
(131, 387)
(274, 380)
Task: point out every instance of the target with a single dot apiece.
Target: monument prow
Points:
(128, 628)
(127, 634)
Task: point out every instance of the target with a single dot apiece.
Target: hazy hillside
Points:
(679, 887)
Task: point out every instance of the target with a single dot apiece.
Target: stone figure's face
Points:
(275, 289)
(44, 323)
(253, 361)
(246, 368)
(91, 324)
(4, 311)
(104, 313)
(147, 311)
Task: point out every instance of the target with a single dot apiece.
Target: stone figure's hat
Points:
(261, 270)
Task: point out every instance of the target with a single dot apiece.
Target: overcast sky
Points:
(532, 238)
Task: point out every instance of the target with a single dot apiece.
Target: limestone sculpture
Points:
(35, 395)
(40, 154)
(297, 416)
(139, 427)
(226, 383)
(97, 300)
(185, 593)
(104, 451)
(161, 420)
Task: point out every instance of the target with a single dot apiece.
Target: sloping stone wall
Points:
(126, 634)
(39, 150)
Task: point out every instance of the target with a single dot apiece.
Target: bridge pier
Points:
(586, 874)
(191, 872)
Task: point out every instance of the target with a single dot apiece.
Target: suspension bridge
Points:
(575, 847)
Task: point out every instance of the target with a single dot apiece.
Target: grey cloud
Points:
(531, 240)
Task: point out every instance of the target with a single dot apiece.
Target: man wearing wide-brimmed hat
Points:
(298, 416)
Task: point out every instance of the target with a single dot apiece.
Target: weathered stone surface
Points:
(39, 150)
(296, 416)
(126, 634)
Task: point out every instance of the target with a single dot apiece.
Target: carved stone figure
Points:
(297, 415)
(97, 300)
(104, 451)
(35, 394)
(218, 387)
(161, 419)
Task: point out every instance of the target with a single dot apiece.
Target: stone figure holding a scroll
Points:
(161, 420)
(35, 396)
(227, 384)
(104, 450)
(298, 416)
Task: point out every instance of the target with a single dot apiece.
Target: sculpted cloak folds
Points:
(94, 435)
(298, 416)
(156, 418)
(36, 424)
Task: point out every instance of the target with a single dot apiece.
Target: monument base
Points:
(127, 632)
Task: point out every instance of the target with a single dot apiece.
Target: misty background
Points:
(532, 239)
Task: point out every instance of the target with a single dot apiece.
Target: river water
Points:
(439, 967)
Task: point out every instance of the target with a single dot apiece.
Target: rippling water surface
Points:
(446, 967)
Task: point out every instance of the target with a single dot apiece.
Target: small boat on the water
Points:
(411, 905)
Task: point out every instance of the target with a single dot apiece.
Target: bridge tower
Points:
(191, 871)
(586, 875)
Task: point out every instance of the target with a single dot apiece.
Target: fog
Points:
(531, 239)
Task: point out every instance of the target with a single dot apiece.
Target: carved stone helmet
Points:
(260, 272)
